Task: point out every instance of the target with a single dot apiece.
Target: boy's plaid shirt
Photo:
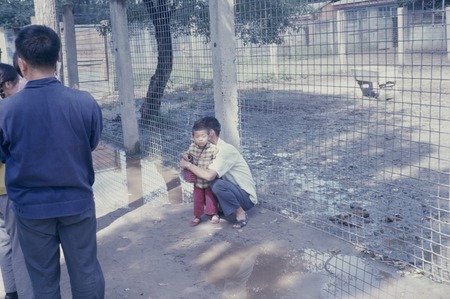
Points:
(202, 158)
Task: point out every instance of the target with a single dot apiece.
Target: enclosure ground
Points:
(152, 252)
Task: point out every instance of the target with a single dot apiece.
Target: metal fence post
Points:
(223, 46)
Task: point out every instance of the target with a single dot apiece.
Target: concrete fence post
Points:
(121, 50)
(223, 47)
(447, 31)
(71, 45)
(342, 41)
(401, 35)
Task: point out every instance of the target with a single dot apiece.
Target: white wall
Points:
(428, 38)
(6, 45)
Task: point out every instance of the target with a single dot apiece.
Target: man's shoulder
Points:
(211, 146)
(223, 145)
(80, 94)
(84, 98)
(9, 101)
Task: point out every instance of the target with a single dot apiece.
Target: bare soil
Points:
(152, 252)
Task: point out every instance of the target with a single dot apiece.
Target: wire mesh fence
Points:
(343, 113)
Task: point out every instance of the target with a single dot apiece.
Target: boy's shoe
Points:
(238, 224)
(196, 221)
(215, 219)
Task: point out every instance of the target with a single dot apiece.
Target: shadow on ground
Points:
(152, 252)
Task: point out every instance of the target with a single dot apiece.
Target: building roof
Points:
(318, 5)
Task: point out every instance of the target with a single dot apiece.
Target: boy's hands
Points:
(184, 163)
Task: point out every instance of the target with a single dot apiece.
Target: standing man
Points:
(231, 180)
(47, 135)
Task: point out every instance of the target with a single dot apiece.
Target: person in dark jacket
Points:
(16, 281)
(47, 135)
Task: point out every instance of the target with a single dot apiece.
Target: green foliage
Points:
(191, 17)
(15, 13)
(66, 2)
(257, 22)
(89, 11)
(426, 4)
(264, 21)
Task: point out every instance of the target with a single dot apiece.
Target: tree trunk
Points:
(45, 14)
(160, 15)
(71, 45)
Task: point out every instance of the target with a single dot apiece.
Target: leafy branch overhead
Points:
(264, 22)
(15, 14)
(257, 22)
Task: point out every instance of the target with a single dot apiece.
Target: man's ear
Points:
(22, 65)
(8, 84)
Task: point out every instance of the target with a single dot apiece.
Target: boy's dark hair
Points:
(212, 123)
(198, 126)
(38, 45)
(7, 73)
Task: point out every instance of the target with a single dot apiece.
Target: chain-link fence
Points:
(343, 113)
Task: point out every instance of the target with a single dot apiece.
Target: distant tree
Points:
(89, 11)
(264, 22)
(160, 12)
(257, 22)
(46, 13)
(15, 13)
(425, 4)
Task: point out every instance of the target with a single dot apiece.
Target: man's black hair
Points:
(212, 123)
(38, 45)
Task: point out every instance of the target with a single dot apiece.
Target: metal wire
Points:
(343, 117)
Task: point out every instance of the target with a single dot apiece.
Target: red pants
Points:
(202, 197)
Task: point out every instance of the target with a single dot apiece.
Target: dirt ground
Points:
(319, 150)
(152, 252)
